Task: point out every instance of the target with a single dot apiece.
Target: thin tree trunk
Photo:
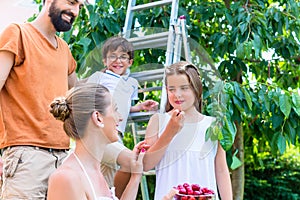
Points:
(227, 3)
(238, 175)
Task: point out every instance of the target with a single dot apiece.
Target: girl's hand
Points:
(176, 121)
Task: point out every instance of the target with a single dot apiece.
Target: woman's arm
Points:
(123, 175)
(222, 174)
(131, 189)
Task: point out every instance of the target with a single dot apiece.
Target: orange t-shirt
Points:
(40, 73)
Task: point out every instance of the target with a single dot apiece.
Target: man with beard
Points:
(35, 67)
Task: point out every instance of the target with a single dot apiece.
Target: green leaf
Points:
(228, 132)
(248, 49)
(228, 17)
(111, 26)
(285, 104)
(218, 87)
(228, 88)
(277, 17)
(277, 120)
(222, 40)
(248, 98)
(243, 27)
(85, 42)
(274, 142)
(296, 103)
(291, 132)
(214, 132)
(238, 92)
(94, 18)
(240, 51)
(264, 99)
(238, 104)
(236, 163)
(281, 143)
(257, 45)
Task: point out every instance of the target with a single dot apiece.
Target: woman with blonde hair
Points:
(90, 117)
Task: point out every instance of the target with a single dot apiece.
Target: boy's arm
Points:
(146, 105)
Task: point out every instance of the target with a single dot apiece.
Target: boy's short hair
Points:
(113, 43)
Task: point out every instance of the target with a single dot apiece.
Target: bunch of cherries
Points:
(193, 192)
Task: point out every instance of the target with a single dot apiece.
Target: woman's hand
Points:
(139, 151)
(170, 195)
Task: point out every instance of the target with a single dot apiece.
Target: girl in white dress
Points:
(90, 117)
(178, 149)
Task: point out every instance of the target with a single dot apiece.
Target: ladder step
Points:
(150, 5)
(150, 41)
(150, 89)
(149, 173)
(140, 116)
(141, 132)
(149, 75)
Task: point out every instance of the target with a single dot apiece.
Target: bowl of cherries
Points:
(193, 192)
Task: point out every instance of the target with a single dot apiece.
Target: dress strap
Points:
(86, 174)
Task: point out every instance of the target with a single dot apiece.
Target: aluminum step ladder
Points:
(173, 41)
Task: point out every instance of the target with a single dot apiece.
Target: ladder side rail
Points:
(128, 19)
(171, 37)
(170, 50)
(178, 44)
(187, 51)
(170, 46)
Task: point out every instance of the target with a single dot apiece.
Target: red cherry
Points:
(195, 187)
(182, 191)
(204, 190)
(184, 198)
(192, 198)
(179, 186)
(188, 188)
(197, 192)
(190, 192)
(186, 185)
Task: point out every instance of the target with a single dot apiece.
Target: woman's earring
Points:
(101, 125)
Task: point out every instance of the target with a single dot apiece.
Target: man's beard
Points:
(59, 24)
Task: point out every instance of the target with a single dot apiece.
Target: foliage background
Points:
(256, 98)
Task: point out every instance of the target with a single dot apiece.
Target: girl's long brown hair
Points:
(193, 75)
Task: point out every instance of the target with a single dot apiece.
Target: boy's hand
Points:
(149, 105)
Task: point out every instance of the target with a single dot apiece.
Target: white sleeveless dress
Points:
(188, 158)
(92, 186)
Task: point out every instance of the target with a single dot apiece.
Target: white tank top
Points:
(188, 158)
